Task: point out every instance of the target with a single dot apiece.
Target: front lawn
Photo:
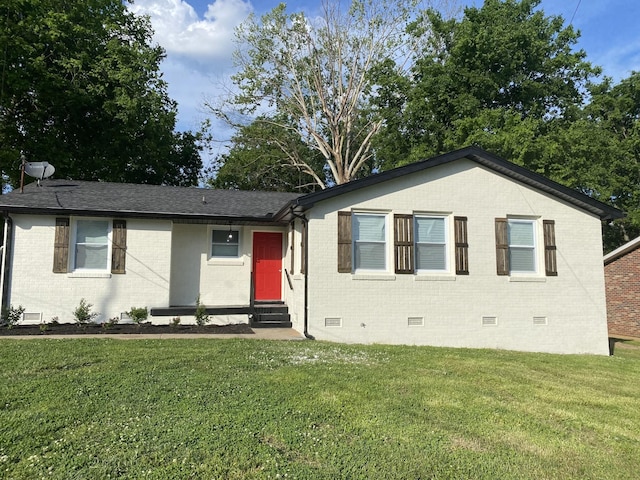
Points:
(163, 409)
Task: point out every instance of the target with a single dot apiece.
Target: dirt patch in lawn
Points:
(143, 328)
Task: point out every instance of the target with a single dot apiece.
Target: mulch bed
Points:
(146, 328)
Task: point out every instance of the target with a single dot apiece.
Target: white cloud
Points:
(181, 32)
(199, 49)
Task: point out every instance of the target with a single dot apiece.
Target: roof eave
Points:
(622, 250)
(475, 154)
(183, 217)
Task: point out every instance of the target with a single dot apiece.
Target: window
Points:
(516, 246)
(522, 246)
(369, 241)
(431, 243)
(91, 245)
(225, 243)
(421, 243)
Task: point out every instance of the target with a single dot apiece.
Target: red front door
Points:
(267, 265)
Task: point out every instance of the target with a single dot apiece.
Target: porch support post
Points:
(305, 222)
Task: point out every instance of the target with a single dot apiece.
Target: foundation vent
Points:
(32, 317)
(539, 320)
(489, 321)
(332, 322)
(415, 321)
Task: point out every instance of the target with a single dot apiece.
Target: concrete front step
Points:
(271, 325)
(271, 315)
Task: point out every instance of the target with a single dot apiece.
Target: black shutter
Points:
(118, 246)
(61, 246)
(502, 247)
(344, 242)
(550, 264)
(403, 243)
(462, 245)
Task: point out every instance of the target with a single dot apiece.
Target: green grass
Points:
(100, 408)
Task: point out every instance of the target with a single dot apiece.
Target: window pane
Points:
(369, 227)
(225, 236)
(430, 230)
(225, 243)
(430, 257)
(370, 256)
(91, 256)
(91, 244)
(521, 233)
(92, 231)
(522, 259)
(225, 250)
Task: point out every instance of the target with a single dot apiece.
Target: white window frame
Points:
(237, 244)
(534, 248)
(385, 242)
(447, 242)
(74, 244)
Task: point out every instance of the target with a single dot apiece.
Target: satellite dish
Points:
(39, 170)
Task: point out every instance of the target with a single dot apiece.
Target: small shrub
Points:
(83, 313)
(138, 314)
(11, 316)
(175, 321)
(110, 323)
(54, 321)
(201, 313)
(43, 327)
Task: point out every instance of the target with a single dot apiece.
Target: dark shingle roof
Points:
(66, 197)
(124, 199)
(481, 157)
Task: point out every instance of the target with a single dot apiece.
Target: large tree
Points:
(80, 87)
(506, 77)
(601, 152)
(314, 71)
(500, 76)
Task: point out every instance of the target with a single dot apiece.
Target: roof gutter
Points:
(184, 217)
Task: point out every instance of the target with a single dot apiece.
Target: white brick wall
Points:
(375, 308)
(220, 281)
(38, 289)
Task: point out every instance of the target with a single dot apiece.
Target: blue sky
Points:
(198, 38)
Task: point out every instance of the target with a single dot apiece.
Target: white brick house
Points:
(464, 249)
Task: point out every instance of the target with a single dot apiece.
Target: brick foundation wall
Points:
(622, 279)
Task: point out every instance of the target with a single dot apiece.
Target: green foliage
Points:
(256, 160)
(249, 409)
(503, 70)
(175, 322)
(83, 313)
(506, 77)
(112, 322)
(80, 87)
(202, 318)
(138, 314)
(11, 316)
